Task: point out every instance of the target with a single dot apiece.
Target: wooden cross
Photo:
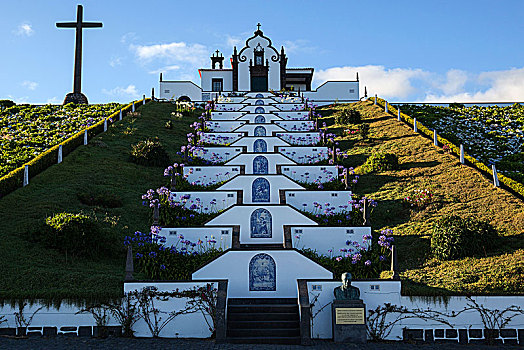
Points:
(78, 25)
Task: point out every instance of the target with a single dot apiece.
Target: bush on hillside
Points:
(363, 130)
(103, 199)
(454, 237)
(349, 116)
(76, 235)
(149, 152)
(380, 162)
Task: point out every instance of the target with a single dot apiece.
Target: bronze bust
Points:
(346, 291)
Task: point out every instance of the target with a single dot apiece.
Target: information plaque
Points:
(349, 315)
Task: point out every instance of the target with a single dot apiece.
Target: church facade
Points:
(257, 67)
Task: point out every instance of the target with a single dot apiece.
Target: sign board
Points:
(345, 315)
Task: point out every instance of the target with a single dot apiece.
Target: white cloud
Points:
(30, 85)
(389, 83)
(115, 61)
(24, 29)
(175, 52)
(298, 46)
(128, 37)
(129, 91)
(233, 41)
(164, 69)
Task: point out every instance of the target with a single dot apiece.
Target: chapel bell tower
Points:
(217, 58)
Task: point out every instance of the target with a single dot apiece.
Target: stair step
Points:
(272, 308)
(260, 301)
(262, 246)
(246, 324)
(263, 316)
(264, 332)
(264, 340)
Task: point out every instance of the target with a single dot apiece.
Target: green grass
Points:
(457, 189)
(29, 270)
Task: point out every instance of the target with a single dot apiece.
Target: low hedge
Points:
(510, 183)
(15, 178)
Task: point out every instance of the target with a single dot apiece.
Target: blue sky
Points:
(403, 50)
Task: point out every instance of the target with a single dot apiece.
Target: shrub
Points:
(349, 116)
(149, 152)
(454, 237)
(380, 162)
(363, 130)
(76, 235)
(103, 199)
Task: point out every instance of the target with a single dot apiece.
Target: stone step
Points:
(264, 340)
(263, 332)
(250, 324)
(262, 316)
(261, 246)
(271, 308)
(261, 301)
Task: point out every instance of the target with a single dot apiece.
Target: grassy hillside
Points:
(456, 189)
(28, 269)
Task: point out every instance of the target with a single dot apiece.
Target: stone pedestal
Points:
(349, 321)
(75, 97)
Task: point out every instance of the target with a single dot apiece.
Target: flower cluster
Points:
(418, 198)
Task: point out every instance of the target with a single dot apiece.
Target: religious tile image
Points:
(261, 224)
(262, 273)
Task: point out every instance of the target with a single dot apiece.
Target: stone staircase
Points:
(263, 321)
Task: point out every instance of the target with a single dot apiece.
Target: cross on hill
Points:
(77, 96)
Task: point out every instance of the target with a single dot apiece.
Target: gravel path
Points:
(190, 344)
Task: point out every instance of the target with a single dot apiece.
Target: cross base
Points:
(76, 97)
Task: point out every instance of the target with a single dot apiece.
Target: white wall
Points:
(244, 81)
(237, 273)
(296, 125)
(305, 154)
(207, 77)
(329, 241)
(226, 115)
(217, 154)
(245, 182)
(268, 116)
(340, 201)
(250, 129)
(265, 94)
(221, 138)
(184, 326)
(206, 202)
(311, 173)
(230, 99)
(272, 159)
(293, 115)
(223, 236)
(267, 109)
(335, 90)
(241, 215)
(172, 90)
(300, 138)
(249, 142)
(228, 107)
(224, 126)
(290, 106)
(208, 175)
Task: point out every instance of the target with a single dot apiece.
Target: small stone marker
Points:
(152, 94)
(462, 153)
(85, 137)
(59, 154)
(386, 107)
(435, 138)
(495, 176)
(26, 175)
(143, 99)
(133, 107)
(105, 125)
(129, 264)
(398, 115)
(394, 264)
(415, 129)
(375, 99)
(120, 114)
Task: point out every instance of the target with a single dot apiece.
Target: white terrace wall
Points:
(237, 272)
(280, 216)
(305, 154)
(206, 201)
(311, 173)
(229, 106)
(173, 90)
(224, 126)
(331, 91)
(290, 106)
(273, 159)
(337, 201)
(269, 129)
(263, 109)
(220, 138)
(208, 175)
(226, 115)
(300, 138)
(223, 236)
(296, 125)
(289, 115)
(249, 142)
(269, 117)
(245, 183)
(230, 99)
(328, 241)
(217, 154)
(183, 326)
(388, 291)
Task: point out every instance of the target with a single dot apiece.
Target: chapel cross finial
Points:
(217, 52)
(258, 26)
